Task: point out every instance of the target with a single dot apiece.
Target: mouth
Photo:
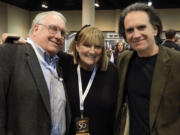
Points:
(91, 56)
(138, 41)
(57, 43)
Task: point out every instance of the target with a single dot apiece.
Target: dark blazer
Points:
(24, 96)
(171, 44)
(164, 93)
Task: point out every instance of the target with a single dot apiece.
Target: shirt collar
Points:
(50, 60)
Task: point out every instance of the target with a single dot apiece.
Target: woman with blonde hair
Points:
(91, 82)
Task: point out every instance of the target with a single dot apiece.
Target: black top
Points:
(99, 105)
(171, 44)
(138, 85)
(116, 55)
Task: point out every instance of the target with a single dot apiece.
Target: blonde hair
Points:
(93, 36)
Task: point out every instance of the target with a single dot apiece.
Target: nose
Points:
(136, 33)
(92, 49)
(58, 34)
(60, 39)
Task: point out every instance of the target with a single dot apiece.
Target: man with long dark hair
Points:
(149, 77)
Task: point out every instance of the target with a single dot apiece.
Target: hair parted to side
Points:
(153, 17)
(40, 17)
(93, 36)
(123, 44)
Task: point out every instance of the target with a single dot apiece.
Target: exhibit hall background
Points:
(18, 21)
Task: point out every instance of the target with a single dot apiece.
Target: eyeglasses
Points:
(53, 29)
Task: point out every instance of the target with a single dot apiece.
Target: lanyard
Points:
(81, 95)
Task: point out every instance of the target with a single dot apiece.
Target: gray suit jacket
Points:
(24, 96)
(164, 93)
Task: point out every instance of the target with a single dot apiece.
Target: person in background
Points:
(178, 40)
(120, 47)
(30, 103)
(91, 82)
(149, 86)
(171, 40)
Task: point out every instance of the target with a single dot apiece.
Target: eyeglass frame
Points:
(54, 32)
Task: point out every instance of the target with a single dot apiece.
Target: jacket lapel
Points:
(38, 76)
(160, 76)
(122, 69)
(123, 62)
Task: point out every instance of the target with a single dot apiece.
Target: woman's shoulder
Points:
(64, 55)
(112, 66)
(65, 59)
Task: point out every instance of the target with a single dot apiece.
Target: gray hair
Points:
(39, 18)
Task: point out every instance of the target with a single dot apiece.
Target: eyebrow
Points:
(63, 30)
(138, 27)
(129, 29)
(141, 26)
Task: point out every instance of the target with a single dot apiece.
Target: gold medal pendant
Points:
(82, 134)
(82, 126)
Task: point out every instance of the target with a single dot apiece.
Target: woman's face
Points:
(120, 46)
(89, 55)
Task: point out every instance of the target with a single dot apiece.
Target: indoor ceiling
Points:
(35, 5)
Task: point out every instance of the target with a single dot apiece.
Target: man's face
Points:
(140, 33)
(50, 34)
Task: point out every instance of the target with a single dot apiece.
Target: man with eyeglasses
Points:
(30, 103)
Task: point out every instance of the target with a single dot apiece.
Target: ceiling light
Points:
(44, 5)
(96, 4)
(150, 3)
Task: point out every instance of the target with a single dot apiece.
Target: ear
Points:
(155, 30)
(36, 27)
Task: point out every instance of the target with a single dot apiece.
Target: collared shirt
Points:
(49, 72)
(51, 60)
